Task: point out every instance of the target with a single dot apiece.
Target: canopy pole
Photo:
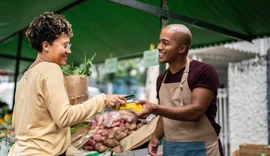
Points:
(268, 89)
(19, 51)
(163, 23)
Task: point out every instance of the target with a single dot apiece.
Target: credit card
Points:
(129, 97)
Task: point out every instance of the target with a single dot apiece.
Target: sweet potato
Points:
(115, 124)
(112, 119)
(116, 128)
(93, 124)
(96, 128)
(100, 119)
(100, 147)
(122, 125)
(103, 132)
(91, 142)
(101, 127)
(97, 137)
(127, 118)
(122, 120)
(88, 147)
(110, 143)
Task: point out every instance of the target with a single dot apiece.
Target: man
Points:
(187, 93)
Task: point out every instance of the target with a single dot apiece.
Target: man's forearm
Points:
(159, 132)
(181, 113)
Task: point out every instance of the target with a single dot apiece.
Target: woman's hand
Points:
(115, 101)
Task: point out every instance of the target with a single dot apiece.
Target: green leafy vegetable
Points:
(75, 128)
(82, 70)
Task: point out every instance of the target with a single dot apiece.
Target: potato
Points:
(126, 131)
(132, 126)
(111, 134)
(130, 132)
(120, 135)
(122, 129)
(127, 124)
(117, 149)
(139, 125)
(100, 147)
(111, 143)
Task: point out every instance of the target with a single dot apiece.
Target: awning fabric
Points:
(105, 28)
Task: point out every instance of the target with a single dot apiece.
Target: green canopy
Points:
(105, 28)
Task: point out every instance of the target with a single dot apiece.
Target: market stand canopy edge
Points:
(104, 27)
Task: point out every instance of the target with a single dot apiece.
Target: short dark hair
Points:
(47, 27)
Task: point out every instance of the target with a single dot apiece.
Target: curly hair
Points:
(47, 27)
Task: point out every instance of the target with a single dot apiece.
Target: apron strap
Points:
(184, 78)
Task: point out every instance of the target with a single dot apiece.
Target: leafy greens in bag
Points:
(84, 69)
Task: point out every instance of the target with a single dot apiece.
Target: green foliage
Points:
(7, 123)
(82, 70)
(75, 128)
(124, 67)
(3, 111)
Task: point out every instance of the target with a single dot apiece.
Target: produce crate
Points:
(110, 131)
(139, 137)
(254, 150)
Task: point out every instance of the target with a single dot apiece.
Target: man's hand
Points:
(147, 108)
(153, 147)
(114, 101)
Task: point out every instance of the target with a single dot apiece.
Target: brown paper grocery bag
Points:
(77, 89)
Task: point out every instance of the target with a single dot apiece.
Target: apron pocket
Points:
(184, 148)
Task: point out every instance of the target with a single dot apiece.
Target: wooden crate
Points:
(254, 150)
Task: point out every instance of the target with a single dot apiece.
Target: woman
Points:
(43, 115)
